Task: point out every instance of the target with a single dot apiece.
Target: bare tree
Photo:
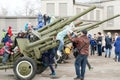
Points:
(4, 11)
(30, 8)
(19, 13)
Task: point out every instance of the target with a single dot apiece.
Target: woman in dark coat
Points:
(108, 44)
(117, 49)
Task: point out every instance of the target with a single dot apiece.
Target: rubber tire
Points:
(31, 61)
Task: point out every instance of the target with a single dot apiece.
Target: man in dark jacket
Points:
(99, 44)
(48, 60)
(82, 44)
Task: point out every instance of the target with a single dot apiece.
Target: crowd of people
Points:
(81, 45)
(7, 48)
(10, 42)
(105, 43)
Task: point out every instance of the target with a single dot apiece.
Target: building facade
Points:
(17, 23)
(105, 9)
(57, 7)
(111, 8)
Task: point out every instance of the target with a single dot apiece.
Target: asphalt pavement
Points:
(103, 69)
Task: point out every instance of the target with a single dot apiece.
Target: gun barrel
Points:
(58, 30)
(96, 24)
(51, 24)
(39, 42)
(78, 15)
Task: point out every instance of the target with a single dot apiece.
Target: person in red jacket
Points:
(10, 31)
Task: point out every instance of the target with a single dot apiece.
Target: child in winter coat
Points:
(7, 52)
(61, 35)
(92, 45)
(10, 31)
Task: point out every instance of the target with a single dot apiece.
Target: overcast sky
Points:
(17, 5)
(83, 0)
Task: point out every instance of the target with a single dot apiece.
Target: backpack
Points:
(92, 42)
(75, 52)
(2, 50)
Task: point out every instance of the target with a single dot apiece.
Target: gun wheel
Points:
(25, 68)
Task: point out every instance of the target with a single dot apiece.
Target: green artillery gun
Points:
(28, 62)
